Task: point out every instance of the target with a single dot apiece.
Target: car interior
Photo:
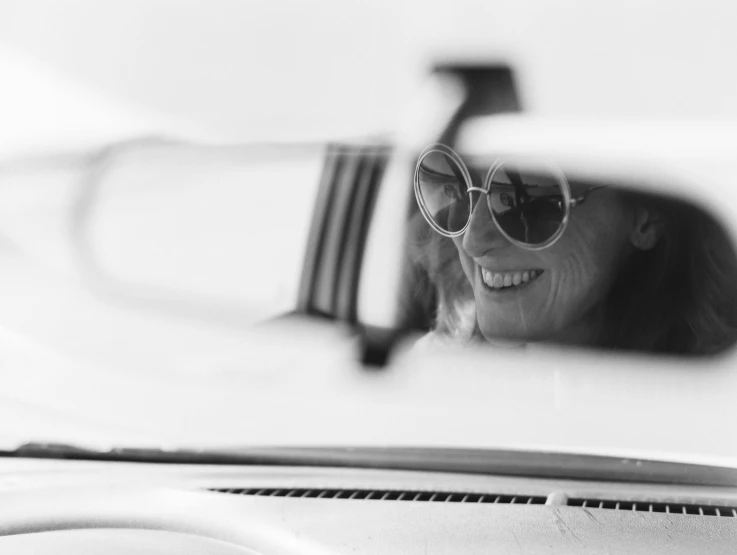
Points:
(61, 500)
(89, 507)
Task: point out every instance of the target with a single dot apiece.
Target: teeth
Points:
(500, 280)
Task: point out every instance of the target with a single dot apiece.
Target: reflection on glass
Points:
(625, 269)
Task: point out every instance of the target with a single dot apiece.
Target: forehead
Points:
(441, 161)
(528, 171)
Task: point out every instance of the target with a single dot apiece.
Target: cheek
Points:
(585, 261)
(466, 261)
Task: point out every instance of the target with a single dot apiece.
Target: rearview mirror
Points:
(509, 249)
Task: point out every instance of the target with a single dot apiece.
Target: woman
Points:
(524, 255)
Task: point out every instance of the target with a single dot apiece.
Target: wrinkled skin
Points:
(578, 270)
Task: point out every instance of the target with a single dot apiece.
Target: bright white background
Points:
(242, 69)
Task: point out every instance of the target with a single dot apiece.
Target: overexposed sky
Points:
(290, 68)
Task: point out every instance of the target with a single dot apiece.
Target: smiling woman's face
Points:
(554, 292)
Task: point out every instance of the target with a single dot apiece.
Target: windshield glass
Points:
(240, 225)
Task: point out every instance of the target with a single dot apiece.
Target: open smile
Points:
(509, 281)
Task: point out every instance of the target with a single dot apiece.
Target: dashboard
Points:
(63, 507)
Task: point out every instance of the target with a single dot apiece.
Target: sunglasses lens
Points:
(443, 191)
(529, 206)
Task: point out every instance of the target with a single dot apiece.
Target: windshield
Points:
(247, 225)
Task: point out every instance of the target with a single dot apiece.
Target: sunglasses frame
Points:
(568, 202)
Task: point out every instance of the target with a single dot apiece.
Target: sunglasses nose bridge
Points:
(475, 201)
(482, 233)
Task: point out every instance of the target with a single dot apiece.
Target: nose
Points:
(482, 234)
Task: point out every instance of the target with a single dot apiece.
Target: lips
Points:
(509, 280)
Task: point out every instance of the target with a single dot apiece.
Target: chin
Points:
(503, 331)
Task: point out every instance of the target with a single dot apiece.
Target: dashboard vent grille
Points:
(392, 495)
(648, 507)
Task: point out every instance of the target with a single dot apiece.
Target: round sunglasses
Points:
(530, 206)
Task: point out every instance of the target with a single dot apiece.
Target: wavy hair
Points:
(680, 297)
